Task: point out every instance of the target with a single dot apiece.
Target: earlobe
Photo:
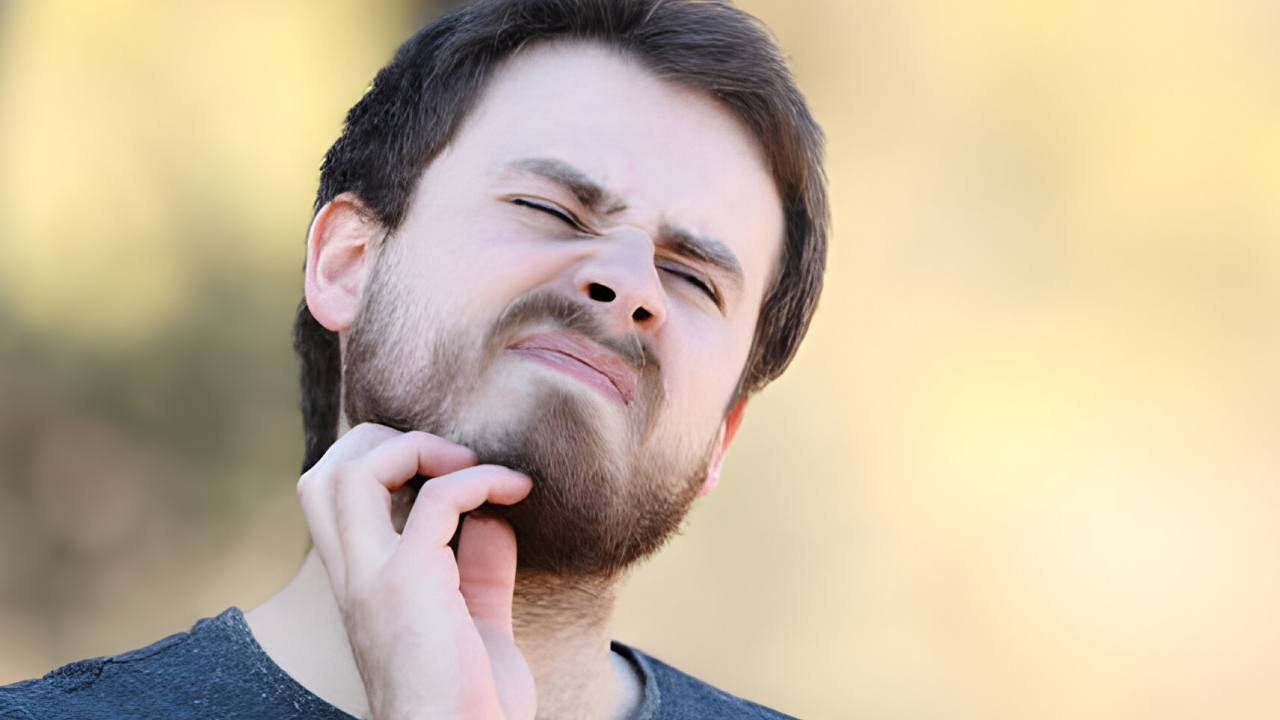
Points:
(727, 430)
(341, 245)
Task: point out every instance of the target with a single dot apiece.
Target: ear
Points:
(727, 430)
(341, 245)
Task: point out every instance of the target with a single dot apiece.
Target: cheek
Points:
(478, 273)
(703, 372)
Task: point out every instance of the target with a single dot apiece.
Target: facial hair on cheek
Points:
(596, 507)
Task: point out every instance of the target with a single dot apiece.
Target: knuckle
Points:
(367, 432)
(429, 492)
(423, 439)
(343, 473)
(435, 496)
(307, 484)
(438, 443)
(364, 427)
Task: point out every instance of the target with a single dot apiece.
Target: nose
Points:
(621, 279)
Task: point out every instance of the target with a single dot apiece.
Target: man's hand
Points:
(431, 635)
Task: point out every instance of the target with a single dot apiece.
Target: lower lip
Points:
(574, 368)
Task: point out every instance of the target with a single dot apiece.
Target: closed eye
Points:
(693, 279)
(555, 210)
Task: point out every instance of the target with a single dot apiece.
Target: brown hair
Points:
(417, 102)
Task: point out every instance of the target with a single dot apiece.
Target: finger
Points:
(318, 491)
(363, 438)
(434, 517)
(349, 516)
(517, 694)
(315, 494)
(397, 460)
(364, 486)
(325, 540)
(345, 497)
(362, 519)
(487, 569)
(316, 486)
(359, 440)
(389, 456)
(486, 579)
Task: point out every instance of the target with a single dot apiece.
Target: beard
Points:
(605, 494)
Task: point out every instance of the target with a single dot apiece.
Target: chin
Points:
(606, 493)
(595, 507)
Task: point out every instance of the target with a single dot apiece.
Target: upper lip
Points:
(589, 353)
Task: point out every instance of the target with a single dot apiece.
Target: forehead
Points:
(672, 154)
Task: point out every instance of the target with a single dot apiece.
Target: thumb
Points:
(487, 575)
(487, 569)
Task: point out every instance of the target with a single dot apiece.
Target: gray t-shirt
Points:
(217, 670)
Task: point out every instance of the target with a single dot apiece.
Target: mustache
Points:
(572, 315)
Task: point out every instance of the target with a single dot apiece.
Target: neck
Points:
(561, 627)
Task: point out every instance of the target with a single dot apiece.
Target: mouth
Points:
(582, 359)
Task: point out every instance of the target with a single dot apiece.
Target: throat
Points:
(562, 629)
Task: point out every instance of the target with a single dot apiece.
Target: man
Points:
(557, 246)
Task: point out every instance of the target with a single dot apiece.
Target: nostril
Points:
(600, 293)
(640, 315)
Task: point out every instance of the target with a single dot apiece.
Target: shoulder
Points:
(215, 669)
(670, 693)
(86, 685)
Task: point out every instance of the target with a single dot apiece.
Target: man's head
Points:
(573, 236)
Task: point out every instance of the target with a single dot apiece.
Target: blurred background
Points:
(1026, 466)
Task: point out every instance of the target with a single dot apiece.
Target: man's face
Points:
(573, 293)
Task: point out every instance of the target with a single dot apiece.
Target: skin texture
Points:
(491, 222)
(600, 500)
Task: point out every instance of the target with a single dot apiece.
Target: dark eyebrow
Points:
(699, 248)
(589, 192)
(703, 249)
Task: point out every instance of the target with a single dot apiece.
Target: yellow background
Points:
(1026, 466)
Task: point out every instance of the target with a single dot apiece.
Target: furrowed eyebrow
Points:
(699, 248)
(703, 249)
(588, 192)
